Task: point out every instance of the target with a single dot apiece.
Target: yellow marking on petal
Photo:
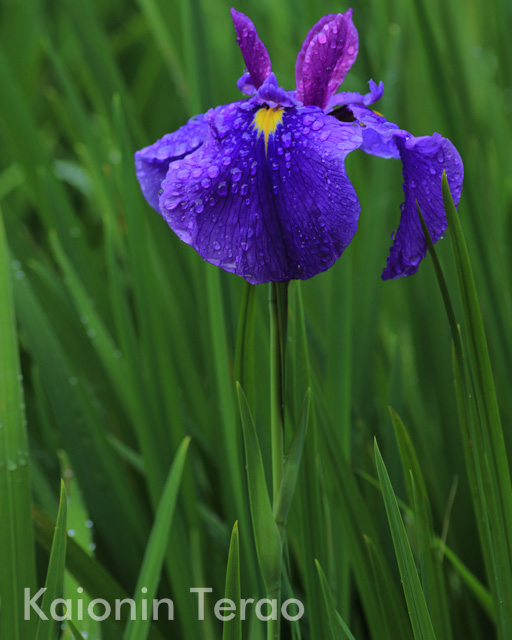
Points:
(266, 121)
(379, 114)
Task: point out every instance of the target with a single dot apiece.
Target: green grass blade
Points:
(432, 576)
(17, 568)
(232, 629)
(339, 629)
(149, 575)
(482, 595)
(266, 535)
(46, 629)
(87, 571)
(292, 464)
(76, 634)
(414, 596)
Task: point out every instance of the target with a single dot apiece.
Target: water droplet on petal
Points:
(206, 183)
(216, 246)
(198, 206)
(222, 189)
(286, 139)
(213, 171)
(322, 38)
(236, 174)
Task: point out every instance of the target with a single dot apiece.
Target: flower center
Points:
(266, 121)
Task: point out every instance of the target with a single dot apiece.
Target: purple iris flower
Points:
(259, 187)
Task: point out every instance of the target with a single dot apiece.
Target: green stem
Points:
(274, 626)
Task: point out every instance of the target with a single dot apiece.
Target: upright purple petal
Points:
(327, 54)
(269, 204)
(254, 51)
(345, 98)
(424, 160)
(152, 163)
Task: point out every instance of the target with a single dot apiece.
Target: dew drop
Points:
(222, 189)
(317, 124)
(216, 246)
(236, 174)
(198, 206)
(213, 171)
(322, 38)
(183, 174)
(206, 183)
(286, 139)
(243, 189)
(171, 203)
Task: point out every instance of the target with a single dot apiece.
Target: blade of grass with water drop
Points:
(112, 504)
(17, 570)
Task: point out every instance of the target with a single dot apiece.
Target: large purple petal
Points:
(255, 54)
(268, 206)
(152, 163)
(327, 54)
(424, 160)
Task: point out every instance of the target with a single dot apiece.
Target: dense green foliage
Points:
(126, 342)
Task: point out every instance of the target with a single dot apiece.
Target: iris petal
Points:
(424, 160)
(378, 133)
(255, 54)
(268, 214)
(328, 52)
(350, 97)
(152, 163)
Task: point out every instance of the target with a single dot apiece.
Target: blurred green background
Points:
(128, 340)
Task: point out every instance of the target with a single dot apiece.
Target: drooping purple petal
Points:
(152, 163)
(256, 58)
(326, 56)
(272, 204)
(378, 133)
(424, 160)
(350, 97)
